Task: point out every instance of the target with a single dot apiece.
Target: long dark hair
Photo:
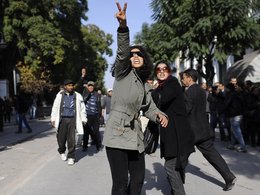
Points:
(145, 71)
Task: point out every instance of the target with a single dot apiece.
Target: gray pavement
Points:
(201, 177)
(8, 137)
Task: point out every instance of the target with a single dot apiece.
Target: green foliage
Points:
(96, 47)
(190, 26)
(51, 39)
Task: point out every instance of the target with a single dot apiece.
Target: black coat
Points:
(177, 138)
(195, 100)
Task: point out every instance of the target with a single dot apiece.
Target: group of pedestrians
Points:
(182, 117)
(78, 109)
(235, 108)
(18, 106)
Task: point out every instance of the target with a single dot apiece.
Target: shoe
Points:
(18, 132)
(84, 149)
(70, 161)
(230, 184)
(241, 150)
(231, 147)
(99, 148)
(63, 157)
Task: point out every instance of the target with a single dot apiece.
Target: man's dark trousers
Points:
(92, 126)
(214, 158)
(65, 133)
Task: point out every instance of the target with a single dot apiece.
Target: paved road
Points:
(30, 164)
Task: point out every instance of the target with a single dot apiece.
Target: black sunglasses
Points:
(138, 53)
(163, 69)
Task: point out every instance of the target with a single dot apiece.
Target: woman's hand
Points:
(163, 119)
(121, 15)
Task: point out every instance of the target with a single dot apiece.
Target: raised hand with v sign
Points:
(121, 15)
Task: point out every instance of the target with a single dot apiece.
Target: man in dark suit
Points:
(195, 100)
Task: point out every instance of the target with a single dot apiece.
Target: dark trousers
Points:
(7, 117)
(224, 127)
(92, 127)
(121, 163)
(215, 159)
(22, 120)
(1, 122)
(66, 133)
(174, 177)
(221, 119)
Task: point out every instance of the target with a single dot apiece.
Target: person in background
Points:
(1, 115)
(33, 107)
(68, 116)
(213, 100)
(176, 140)
(102, 116)
(92, 102)
(123, 136)
(233, 80)
(224, 124)
(22, 109)
(204, 86)
(7, 109)
(235, 108)
(106, 104)
(83, 79)
(195, 100)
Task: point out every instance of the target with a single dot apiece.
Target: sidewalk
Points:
(8, 137)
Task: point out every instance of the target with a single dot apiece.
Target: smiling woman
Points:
(123, 135)
(99, 15)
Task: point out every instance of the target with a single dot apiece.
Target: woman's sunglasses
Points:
(138, 53)
(162, 69)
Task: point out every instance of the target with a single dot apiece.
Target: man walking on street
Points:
(195, 100)
(93, 108)
(68, 112)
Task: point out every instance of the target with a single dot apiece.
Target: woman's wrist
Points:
(123, 24)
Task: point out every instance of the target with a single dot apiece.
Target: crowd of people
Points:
(234, 108)
(186, 113)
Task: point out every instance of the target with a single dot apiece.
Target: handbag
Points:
(151, 134)
(151, 137)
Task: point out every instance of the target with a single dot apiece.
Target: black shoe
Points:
(99, 148)
(231, 147)
(18, 132)
(241, 150)
(230, 184)
(85, 149)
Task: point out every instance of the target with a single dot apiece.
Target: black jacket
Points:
(86, 96)
(235, 103)
(195, 100)
(177, 137)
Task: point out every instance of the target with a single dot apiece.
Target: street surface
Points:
(34, 167)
